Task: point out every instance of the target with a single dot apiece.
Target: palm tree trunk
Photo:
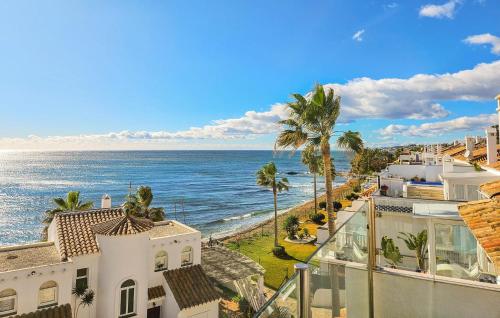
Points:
(275, 216)
(315, 195)
(327, 159)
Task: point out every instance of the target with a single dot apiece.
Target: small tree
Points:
(418, 244)
(84, 296)
(391, 251)
(291, 225)
(337, 206)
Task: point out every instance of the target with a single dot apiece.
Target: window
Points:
(459, 192)
(47, 295)
(82, 278)
(8, 302)
(472, 192)
(161, 261)
(187, 256)
(127, 299)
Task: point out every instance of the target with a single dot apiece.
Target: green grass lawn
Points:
(259, 248)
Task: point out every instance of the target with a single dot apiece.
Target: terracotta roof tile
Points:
(190, 286)
(74, 230)
(156, 292)
(490, 189)
(483, 219)
(62, 311)
(123, 225)
(454, 150)
(478, 155)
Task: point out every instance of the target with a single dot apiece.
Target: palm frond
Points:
(350, 140)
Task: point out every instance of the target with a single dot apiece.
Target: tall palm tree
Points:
(266, 177)
(71, 203)
(312, 159)
(311, 123)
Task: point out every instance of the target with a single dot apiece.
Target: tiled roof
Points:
(483, 219)
(190, 286)
(123, 225)
(478, 155)
(62, 311)
(74, 230)
(495, 165)
(490, 189)
(27, 256)
(156, 292)
(454, 150)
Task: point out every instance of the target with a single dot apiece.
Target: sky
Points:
(80, 75)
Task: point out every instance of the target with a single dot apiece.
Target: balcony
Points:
(342, 279)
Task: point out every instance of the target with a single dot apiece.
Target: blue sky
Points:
(206, 74)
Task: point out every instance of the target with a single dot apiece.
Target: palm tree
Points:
(417, 243)
(138, 204)
(266, 177)
(311, 123)
(71, 203)
(84, 296)
(312, 159)
(144, 198)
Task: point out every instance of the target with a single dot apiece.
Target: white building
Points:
(136, 268)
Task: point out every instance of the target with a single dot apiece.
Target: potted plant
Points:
(391, 252)
(418, 244)
(337, 206)
(383, 190)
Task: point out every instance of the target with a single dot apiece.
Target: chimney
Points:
(469, 146)
(106, 201)
(491, 145)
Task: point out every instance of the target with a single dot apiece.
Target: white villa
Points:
(136, 268)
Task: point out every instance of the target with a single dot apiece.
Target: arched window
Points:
(127, 298)
(47, 295)
(187, 256)
(161, 261)
(8, 302)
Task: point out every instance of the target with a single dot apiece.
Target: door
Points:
(154, 312)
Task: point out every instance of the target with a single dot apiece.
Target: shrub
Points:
(356, 188)
(322, 205)
(300, 235)
(279, 251)
(349, 197)
(306, 232)
(291, 226)
(337, 206)
(317, 217)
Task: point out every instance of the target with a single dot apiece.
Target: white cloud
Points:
(464, 123)
(485, 38)
(417, 97)
(446, 10)
(358, 36)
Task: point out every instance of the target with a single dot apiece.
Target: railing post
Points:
(303, 287)
(372, 252)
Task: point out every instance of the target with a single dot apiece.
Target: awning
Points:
(156, 293)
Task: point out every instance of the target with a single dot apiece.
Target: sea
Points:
(212, 191)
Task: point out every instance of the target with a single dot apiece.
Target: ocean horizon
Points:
(213, 191)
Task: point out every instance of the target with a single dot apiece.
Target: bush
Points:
(291, 226)
(337, 206)
(317, 217)
(352, 196)
(349, 197)
(279, 251)
(357, 188)
(306, 232)
(322, 205)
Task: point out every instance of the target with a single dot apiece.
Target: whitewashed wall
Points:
(27, 282)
